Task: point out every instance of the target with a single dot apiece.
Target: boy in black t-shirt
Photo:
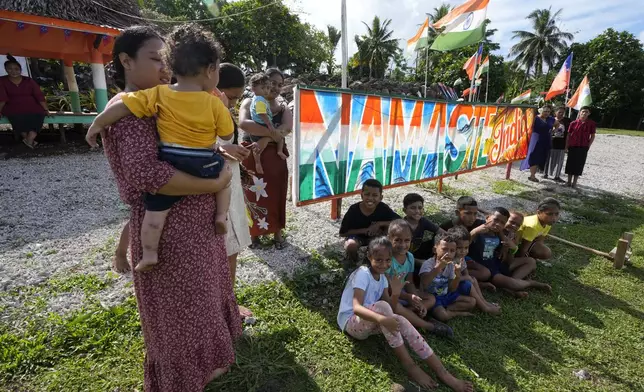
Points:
(423, 230)
(366, 220)
(467, 211)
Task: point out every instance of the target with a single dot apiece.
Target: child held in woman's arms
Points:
(260, 111)
(367, 308)
(534, 229)
(189, 120)
(414, 303)
(441, 277)
(366, 220)
(490, 247)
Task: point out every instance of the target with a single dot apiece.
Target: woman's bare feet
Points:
(487, 286)
(149, 260)
(417, 375)
(120, 263)
(218, 373)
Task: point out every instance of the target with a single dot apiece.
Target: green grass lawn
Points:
(593, 320)
(624, 132)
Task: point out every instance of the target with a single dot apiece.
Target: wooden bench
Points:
(63, 118)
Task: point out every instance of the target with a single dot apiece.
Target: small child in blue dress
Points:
(260, 111)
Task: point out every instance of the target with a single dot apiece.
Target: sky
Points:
(584, 18)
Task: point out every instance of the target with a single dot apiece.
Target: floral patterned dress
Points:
(189, 315)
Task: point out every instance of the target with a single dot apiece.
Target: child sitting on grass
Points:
(489, 248)
(423, 231)
(189, 121)
(414, 303)
(528, 265)
(467, 211)
(441, 276)
(534, 229)
(463, 240)
(260, 111)
(366, 309)
(366, 220)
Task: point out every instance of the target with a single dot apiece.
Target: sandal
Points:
(279, 245)
(533, 179)
(441, 329)
(27, 144)
(256, 244)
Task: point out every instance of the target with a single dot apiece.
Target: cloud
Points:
(584, 18)
(641, 36)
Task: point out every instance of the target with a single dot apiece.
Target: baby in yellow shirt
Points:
(189, 120)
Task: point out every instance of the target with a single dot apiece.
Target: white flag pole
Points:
(487, 81)
(345, 45)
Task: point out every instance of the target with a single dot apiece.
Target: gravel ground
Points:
(62, 215)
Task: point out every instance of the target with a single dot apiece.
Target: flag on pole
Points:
(420, 40)
(582, 96)
(466, 93)
(472, 62)
(500, 98)
(485, 65)
(523, 97)
(478, 82)
(561, 82)
(464, 25)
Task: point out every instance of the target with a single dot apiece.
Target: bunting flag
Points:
(484, 67)
(523, 97)
(561, 82)
(43, 30)
(582, 96)
(472, 62)
(478, 82)
(420, 40)
(463, 26)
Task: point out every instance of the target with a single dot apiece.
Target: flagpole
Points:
(427, 56)
(345, 44)
(476, 63)
(487, 81)
(572, 55)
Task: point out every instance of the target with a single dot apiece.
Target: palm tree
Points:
(439, 12)
(334, 38)
(544, 45)
(378, 46)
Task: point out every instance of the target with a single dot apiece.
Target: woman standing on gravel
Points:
(266, 196)
(540, 142)
(231, 87)
(189, 315)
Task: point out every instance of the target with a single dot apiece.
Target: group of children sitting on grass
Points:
(412, 276)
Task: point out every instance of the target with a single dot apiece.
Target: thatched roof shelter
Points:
(97, 12)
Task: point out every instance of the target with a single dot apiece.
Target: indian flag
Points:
(582, 96)
(523, 97)
(464, 26)
(420, 39)
(485, 65)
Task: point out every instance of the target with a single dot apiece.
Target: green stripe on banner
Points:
(451, 41)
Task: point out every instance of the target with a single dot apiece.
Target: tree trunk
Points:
(525, 78)
(33, 66)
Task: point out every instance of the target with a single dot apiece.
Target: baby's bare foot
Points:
(282, 155)
(221, 227)
(149, 260)
(417, 375)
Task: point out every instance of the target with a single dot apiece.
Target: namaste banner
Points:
(342, 139)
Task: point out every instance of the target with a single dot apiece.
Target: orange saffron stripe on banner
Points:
(312, 113)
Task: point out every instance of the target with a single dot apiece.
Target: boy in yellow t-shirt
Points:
(189, 120)
(534, 229)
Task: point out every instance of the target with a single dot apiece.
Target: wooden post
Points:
(628, 237)
(70, 77)
(336, 209)
(440, 185)
(508, 170)
(620, 254)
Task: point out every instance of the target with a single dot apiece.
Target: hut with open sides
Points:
(68, 30)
